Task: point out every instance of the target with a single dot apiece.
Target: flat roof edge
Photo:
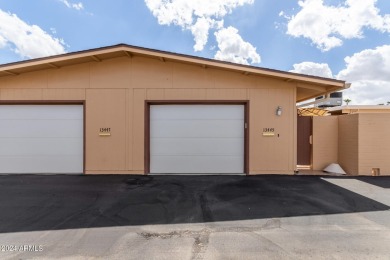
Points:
(355, 107)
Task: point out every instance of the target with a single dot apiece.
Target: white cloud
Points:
(369, 72)
(184, 12)
(200, 30)
(78, 6)
(233, 48)
(3, 41)
(370, 64)
(314, 69)
(372, 92)
(29, 41)
(200, 17)
(327, 26)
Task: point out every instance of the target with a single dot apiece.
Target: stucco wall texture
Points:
(358, 142)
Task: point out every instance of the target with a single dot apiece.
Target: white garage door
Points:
(41, 138)
(197, 139)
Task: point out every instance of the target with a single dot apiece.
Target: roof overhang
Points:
(307, 86)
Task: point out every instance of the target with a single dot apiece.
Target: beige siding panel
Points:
(224, 79)
(76, 76)
(129, 131)
(36, 79)
(271, 153)
(95, 172)
(106, 108)
(258, 119)
(155, 94)
(139, 96)
(374, 143)
(272, 172)
(325, 141)
(113, 73)
(21, 94)
(283, 142)
(151, 73)
(227, 94)
(262, 82)
(4, 81)
(295, 129)
(63, 94)
(348, 143)
(185, 94)
(190, 76)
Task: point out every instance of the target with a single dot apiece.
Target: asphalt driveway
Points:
(163, 207)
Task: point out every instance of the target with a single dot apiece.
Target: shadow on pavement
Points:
(380, 181)
(37, 202)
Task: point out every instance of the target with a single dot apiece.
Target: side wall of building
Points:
(348, 143)
(325, 141)
(374, 143)
(115, 91)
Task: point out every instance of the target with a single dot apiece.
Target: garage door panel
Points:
(29, 147)
(197, 128)
(25, 112)
(197, 139)
(39, 164)
(193, 112)
(41, 139)
(37, 128)
(199, 146)
(196, 164)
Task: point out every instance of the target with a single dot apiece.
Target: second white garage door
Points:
(197, 139)
(41, 139)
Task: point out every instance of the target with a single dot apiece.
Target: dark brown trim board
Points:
(42, 102)
(148, 103)
(55, 102)
(147, 138)
(84, 134)
(246, 139)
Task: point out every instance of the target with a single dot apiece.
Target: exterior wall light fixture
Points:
(279, 111)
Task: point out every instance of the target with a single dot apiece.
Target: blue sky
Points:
(348, 40)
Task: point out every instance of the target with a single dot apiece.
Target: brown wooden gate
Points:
(303, 142)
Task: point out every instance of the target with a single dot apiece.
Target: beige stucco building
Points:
(131, 110)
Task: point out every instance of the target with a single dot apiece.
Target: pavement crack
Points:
(201, 239)
(200, 245)
(270, 224)
(173, 234)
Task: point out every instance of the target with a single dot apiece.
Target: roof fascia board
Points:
(206, 63)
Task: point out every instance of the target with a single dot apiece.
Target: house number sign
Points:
(105, 131)
(268, 131)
